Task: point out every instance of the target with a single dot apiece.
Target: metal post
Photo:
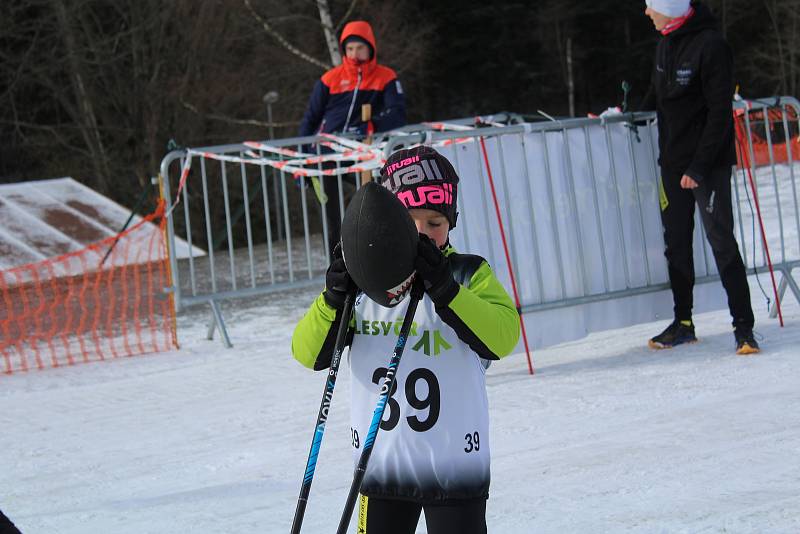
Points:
(618, 205)
(770, 149)
(573, 200)
(188, 223)
(209, 235)
(267, 224)
(171, 229)
(460, 199)
(553, 215)
(270, 98)
(248, 226)
(597, 219)
(229, 230)
(790, 164)
(533, 232)
(635, 180)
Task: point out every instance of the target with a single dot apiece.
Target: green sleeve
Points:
(312, 332)
(487, 312)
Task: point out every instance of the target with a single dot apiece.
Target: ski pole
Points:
(136, 207)
(322, 416)
(391, 375)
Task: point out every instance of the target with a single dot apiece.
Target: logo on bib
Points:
(430, 342)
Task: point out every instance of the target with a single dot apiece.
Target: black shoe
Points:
(745, 342)
(675, 334)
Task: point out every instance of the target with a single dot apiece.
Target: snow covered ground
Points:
(608, 436)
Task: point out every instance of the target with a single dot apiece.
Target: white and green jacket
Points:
(434, 439)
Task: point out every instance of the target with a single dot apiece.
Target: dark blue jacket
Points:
(335, 103)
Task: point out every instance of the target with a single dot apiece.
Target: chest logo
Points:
(426, 343)
(430, 342)
(683, 76)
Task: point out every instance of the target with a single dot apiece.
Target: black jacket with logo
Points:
(692, 90)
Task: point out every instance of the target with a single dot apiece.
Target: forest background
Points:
(100, 89)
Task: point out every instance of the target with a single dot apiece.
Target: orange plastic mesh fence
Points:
(782, 148)
(79, 308)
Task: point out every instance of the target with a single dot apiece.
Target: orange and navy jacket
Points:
(335, 103)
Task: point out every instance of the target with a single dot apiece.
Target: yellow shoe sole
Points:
(658, 346)
(747, 350)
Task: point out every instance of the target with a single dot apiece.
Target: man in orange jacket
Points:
(337, 97)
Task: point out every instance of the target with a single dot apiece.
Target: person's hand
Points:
(611, 112)
(434, 269)
(687, 182)
(337, 281)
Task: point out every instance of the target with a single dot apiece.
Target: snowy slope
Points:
(47, 218)
(608, 436)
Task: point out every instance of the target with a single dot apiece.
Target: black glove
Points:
(337, 280)
(434, 269)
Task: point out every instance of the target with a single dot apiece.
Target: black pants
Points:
(330, 185)
(390, 516)
(713, 197)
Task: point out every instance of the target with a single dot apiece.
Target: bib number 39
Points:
(431, 402)
(473, 442)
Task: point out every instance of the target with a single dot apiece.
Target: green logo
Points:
(424, 343)
(430, 342)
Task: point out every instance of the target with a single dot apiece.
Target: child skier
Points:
(432, 452)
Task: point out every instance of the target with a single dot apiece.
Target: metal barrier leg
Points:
(773, 312)
(219, 323)
(211, 327)
(787, 275)
(786, 281)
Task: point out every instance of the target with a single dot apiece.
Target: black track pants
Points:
(330, 185)
(390, 516)
(713, 197)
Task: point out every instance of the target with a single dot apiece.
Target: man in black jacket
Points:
(692, 90)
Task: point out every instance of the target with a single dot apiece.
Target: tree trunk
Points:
(87, 120)
(793, 46)
(773, 12)
(327, 28)
(570, 79)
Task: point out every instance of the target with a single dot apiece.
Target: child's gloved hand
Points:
(434, 269)
(337, 281)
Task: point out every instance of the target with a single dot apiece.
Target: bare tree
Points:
(95, 89)
(780, 48)
(328, 30)
(285, 42)
(766, 59)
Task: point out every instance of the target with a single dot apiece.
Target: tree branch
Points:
(286, 44)
(52, 130)
(232, 120)
(345, 16)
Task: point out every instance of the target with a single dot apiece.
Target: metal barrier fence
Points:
(248, 218)
(786, 213)
(578, 199)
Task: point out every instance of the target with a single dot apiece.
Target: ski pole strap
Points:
(321, 196)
